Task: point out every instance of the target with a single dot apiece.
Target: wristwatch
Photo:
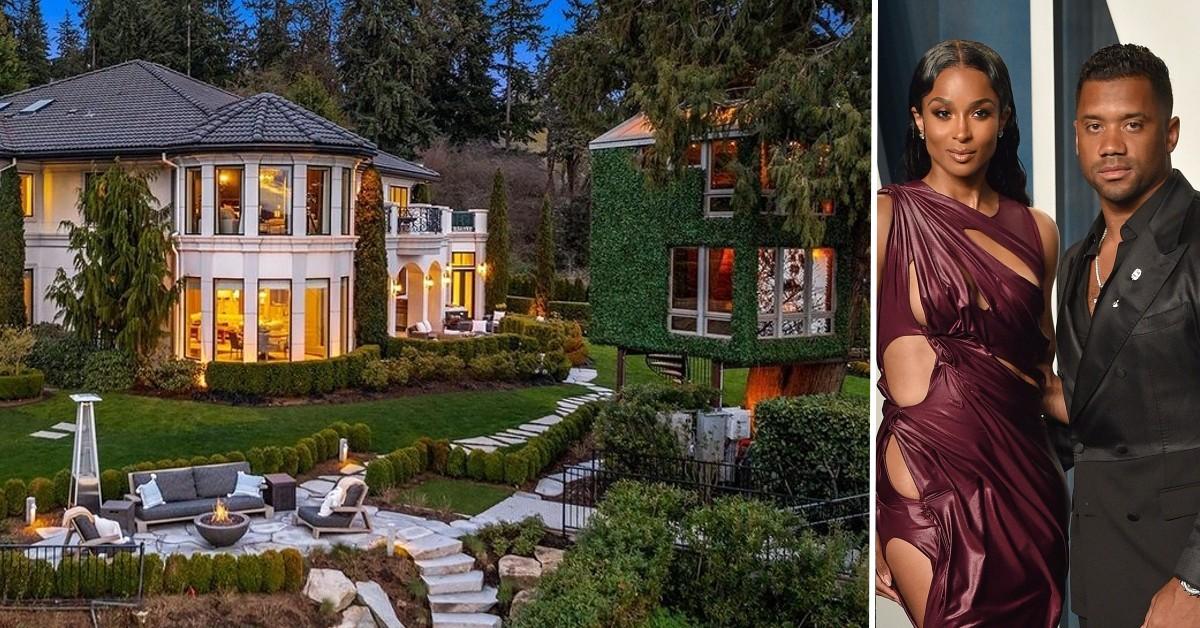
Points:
(1189, 589)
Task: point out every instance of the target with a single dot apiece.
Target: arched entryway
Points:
(409, 293)
(435, 296)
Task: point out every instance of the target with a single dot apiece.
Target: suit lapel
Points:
(1155, 253)
(1069, 346)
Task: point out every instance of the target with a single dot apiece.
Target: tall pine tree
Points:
(464, 105)
(72, 56)
(497, 279)
(12, 251)
(12, 71)
(370, 263)
(517, 24)
(385, 60)
(32, 41)
(273, 43)
(543, 285)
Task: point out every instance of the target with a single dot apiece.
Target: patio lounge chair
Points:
(354, 493)
(80, 521)
(421, 330)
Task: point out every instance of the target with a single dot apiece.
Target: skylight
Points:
(4, 105)
(37, 105)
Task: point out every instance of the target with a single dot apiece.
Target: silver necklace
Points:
(1096, 265)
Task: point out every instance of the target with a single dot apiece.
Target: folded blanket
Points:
(109, 530)
(333, 499)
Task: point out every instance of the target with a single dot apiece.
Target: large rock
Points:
(331, 585)
(548, 558)
(357, 617)
(372, 596)
(522, 572)
(520, 601)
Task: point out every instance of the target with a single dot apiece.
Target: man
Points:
(1129, 355)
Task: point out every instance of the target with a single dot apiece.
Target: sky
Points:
(53, 11)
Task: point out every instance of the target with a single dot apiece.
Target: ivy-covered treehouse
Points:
(727, 251)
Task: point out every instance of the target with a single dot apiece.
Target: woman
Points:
(971, 503)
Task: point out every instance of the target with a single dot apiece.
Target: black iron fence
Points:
(462, 221)
(71, 576)
(419, 219)
(585, 485)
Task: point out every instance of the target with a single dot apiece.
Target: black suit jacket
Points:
(1132, 384)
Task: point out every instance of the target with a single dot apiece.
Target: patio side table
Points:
(120, 511)
(281, 491)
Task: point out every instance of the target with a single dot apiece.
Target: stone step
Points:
(508, 439)
(446, 565)
(431, 546)
(533, 427)
(413, 533)
(552, 419)
(468, 582)
(466, 620)
(476, 602)
(519, 433)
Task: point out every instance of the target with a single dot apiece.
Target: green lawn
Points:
(132, 428)
(460, 496)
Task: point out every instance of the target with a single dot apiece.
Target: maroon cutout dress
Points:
(992, 512)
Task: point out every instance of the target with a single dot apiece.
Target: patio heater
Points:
(85, 462)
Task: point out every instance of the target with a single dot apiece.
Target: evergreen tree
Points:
(543, 291)
(12, 71)
(120, 295)
(423, 193)
(32, 41)
(516, 24)
(314, 40)
(385, 59)
(309, 91)
(497, 244)
(12, 251)
(122, 30)
(72, 56)
(370, 263)
(464, 105)
(273, 42)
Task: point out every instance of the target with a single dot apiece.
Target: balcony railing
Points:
(432, 219)
(462, 221)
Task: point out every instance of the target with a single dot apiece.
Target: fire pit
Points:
(220, 527)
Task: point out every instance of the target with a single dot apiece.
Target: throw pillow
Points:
(150, 494)
(247, 485)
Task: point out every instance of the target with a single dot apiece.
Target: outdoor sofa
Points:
(191, 491)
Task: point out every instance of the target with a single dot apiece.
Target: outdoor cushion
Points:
(191, 508)
(86, 527)
(247, 485)
(423, 327)
(217, 480)
(336, 520)
(150, 492)
(177, 486)
(353, 494)
(479, 327)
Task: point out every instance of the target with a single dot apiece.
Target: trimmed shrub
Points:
(813, 445)
(124, 568)
(331, 443)
(360, 437)
(249, 573)
(293, 570)
(493, 467)
(476, 465)
(519, 305)
(272, 459)
(273, 571)
(25, 385)
(439, 455)
(290, 379)
(422, 447)
(225, 573)
(402, 470)
(197, 461)
(14, 495)
(456, 462)
(375, 376)
(60, 355)
(62, 487)
(175, 574)
(200, 573)
(218, 459)
(109, 370)
(235, 456)
(380, 475)
(291, 461)
(310, 443)
(341, 427)
(255, 458)
(170, 374)
(304, 459)
(465, 349)
(113, 484)
(516, 468)
(152, 580)
(42, 490)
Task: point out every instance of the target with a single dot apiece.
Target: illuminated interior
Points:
(27, 280)
(195, 186)
(229, 201)
(26, 194)
(720, 171)
(462, 287)
(230, 324)
(274, 321)
(316, 318)
(191, 309)
(317, 201)
(274, 185)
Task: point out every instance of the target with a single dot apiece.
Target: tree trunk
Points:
(793, 380)
(859, 285)
(508, 58)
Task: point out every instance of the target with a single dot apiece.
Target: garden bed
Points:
(183, 611)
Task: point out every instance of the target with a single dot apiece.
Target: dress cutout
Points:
(991, 512)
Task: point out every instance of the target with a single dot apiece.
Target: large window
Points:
(345, 317)
(274, 320)
(316, 318)
(317, 201)
(462, 286)
(347, 198)
(722, 177)
(229, 330)
(194, 184)
(27, 280)
(229, 201)
(398, 195)
(26, 181)
(795, 292)
(400, 290)
(701, 291)
(191, 318)
(274, 200)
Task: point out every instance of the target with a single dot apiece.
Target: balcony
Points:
(425, 220)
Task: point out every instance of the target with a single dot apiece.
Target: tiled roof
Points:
(389, 163)
(270, 119)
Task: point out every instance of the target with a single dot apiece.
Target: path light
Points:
(343, 450)
(30, 510)
(391, 539)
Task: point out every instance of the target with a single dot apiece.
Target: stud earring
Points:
(921, 135)
(1001, 133)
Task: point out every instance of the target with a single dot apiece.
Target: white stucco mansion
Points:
(263, 198)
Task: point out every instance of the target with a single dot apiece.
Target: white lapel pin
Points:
(1116, 303)
(1137, 272)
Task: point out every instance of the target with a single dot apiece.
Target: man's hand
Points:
(883, 576)
(1173, 607)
